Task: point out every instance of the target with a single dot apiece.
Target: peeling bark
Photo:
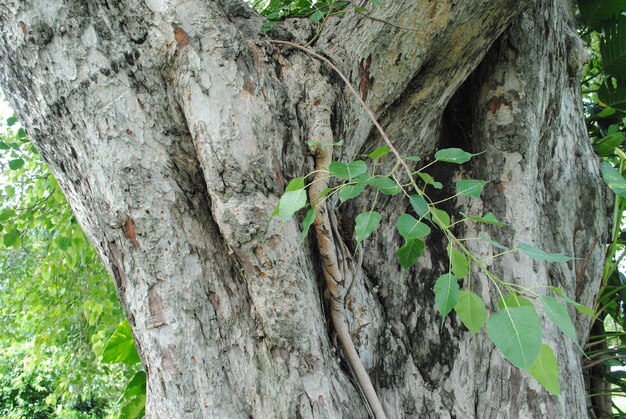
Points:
(173, 130)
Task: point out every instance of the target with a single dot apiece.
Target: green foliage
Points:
(347, 171)
(293, 199)
(516, 328)
(411, 228)
(453, 155)
(545, 370)
(410, 251)
(58, 304)
(604, 96)
(557, 312)
(516, 332)
(446, 293)
(121, 349)
(365, 224)
(596, 12)
(538, 254)
(613, 179)
(471, 310)
(316, 11)
(121, 346)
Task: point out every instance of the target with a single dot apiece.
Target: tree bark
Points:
(173, 130)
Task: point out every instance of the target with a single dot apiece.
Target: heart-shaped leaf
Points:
(471, 310)
(350, 191)
(546, 370)
(446, 293)
(410, 228)
(516, 332)
(472, 188)
(347, 171)
(410, 252)
(366, 223)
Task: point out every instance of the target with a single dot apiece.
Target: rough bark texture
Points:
(173, 129)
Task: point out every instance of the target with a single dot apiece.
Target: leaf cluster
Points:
(516, 327)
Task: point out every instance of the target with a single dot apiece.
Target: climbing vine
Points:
(515, 327)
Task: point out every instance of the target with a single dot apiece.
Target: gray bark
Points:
(173, 130)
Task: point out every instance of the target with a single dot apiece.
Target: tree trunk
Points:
(173, 130)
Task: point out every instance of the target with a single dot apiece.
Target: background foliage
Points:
(58, 306)
(603, 28)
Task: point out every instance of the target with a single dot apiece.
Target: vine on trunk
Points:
(515, 328)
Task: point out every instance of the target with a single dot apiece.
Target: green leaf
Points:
(613, 92)
(538, 254)
(366, 223)
(410, 228)
(472, 188)
(12, 120)
(516, 332)
(316, 17)
(306, 224)
(386, 185)
(471, 310)
(379, 152)
(453, 155)
(11, 237)
(293, 199)
(488, 218)
(295, 184)
(546, 371)
(134, 407)
(16, 164)
(362, 178)
(7, 213)
(606, 146)
(458, 261)
(136, 385)
(347, 171)
(92, 310)
(350, 191)
(446, 293)
(121, 346)
(594, 12)
(64, 243)
(413, 158)
(557, 312)
(581, 308)
(410, 252)
(513, 300)
(419, 204)
(440, 217)
(613, 179)
(494, 243)
(429, 180)
(21, 133)
(608, 111)
(613, 47)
